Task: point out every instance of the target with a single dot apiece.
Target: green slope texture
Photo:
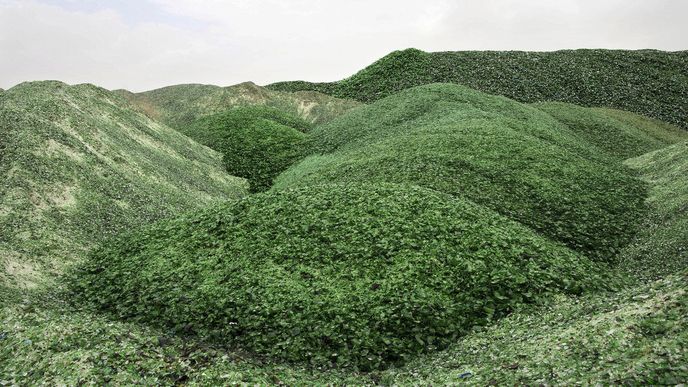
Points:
(510, 157)
(256, 142)
(359, 275)
(79, 165)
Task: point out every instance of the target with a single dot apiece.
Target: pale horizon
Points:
(148, 44)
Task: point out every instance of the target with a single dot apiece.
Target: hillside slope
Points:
(508, 156)
(78, 165)
(636, 336)
(179, 105)
(661, 247)
(617, 133)
(648, 82)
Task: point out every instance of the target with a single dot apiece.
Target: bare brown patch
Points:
(23, 273)
(145, 106)
(57, 196)
(305, 109)
(53, 148)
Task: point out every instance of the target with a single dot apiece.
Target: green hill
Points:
(648, 82)
(180, 105)
(636, 336)
(440, 235)
(78, 165)
(510, 157)
(256, 142)
(351, 274)
(661, 247)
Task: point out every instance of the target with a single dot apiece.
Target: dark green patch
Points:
(257, 143)
(354, 274)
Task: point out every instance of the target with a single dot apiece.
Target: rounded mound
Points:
(357, 275)
(511, 157)
(256, 142)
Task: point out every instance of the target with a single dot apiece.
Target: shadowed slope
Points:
(619, 134)
(256, 142)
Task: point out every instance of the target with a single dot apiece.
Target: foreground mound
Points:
(354, 275)
(648, 82)
(78, 164)
(257, 142)
(497, 152)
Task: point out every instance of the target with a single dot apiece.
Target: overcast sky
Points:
(145, 44)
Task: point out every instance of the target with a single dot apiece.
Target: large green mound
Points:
(256, 142)
(350, 274)
(648, 82)
(180, 105)
(508, 156)
(78, 164)
(661, 247)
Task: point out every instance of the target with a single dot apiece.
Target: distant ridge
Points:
(180, 105)
(649, 82)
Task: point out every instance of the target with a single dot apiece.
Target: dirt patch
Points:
(57, 196)
(305, 108)
(53, 148)
(23, 273)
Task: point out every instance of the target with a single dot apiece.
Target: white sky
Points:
(145, 44)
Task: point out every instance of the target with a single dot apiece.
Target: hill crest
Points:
(649, 82)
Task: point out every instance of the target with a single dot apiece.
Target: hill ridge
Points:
(648, 82)
(180, 105)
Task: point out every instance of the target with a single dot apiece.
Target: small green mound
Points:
(397, 71)
(257, 143)
(619, 134)
(649, 82)
(511, 157)
(358, 275)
